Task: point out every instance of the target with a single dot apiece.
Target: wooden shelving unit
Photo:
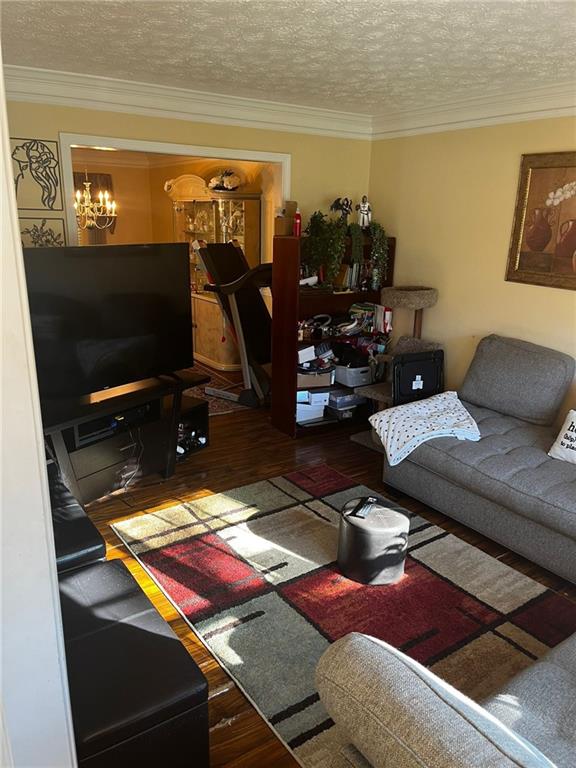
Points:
(291, 304)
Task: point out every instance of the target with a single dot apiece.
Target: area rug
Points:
(253, 572)
(217, 406)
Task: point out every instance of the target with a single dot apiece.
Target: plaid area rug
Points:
(253, 571)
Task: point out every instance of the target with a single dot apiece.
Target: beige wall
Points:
(132, 193)
(449, 199)
(322, 167)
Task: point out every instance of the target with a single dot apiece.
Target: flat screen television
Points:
(108, 315)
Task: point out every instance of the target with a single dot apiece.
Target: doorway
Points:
(162, 162)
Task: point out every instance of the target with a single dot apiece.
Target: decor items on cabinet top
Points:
(214, 216)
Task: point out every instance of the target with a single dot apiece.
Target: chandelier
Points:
(94, 214)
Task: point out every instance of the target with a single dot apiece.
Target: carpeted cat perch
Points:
(415, 297)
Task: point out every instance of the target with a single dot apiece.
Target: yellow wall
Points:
(322, 167)
(131, 187)
(449, 199)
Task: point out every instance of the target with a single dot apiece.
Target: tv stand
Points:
(104, 441)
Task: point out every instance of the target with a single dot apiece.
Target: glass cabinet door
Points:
(218, 221)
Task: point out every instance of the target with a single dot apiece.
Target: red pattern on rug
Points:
(547, 618)
(217, 406)
(203, 575)
(421, 612)
(320, 480)
(256, 621)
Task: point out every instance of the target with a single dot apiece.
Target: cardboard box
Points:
(306, 355)
(309, 412)
(313, 380)
(318, 396)
(283, 225)
(343, 398)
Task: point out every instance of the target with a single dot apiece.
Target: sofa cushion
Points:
(518, 378)
(509, 466)
(398, 713)
(540, 704)
(564, 447)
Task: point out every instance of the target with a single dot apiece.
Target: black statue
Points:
(344, 206)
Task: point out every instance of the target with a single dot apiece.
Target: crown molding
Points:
(104, 93)
(29, 84)
(533, 104)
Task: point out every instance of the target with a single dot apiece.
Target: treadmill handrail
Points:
(261, 276)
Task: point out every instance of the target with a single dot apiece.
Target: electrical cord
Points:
(138, 460)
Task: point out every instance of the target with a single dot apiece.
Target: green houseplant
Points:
(323, 248)
(378, 254)
(356, 243)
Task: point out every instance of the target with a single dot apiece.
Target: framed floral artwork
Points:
(543, 245)
(37, 180)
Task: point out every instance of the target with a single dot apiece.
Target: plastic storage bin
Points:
(353, 377)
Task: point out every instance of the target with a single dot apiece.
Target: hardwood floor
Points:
(244, 448)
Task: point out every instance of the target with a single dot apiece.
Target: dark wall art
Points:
(42, 232)
(37, 175)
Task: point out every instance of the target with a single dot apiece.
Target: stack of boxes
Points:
(316, 400)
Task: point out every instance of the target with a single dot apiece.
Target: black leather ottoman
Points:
(76, 538)
(137, 696)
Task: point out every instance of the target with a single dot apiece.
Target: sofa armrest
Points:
(398, 713)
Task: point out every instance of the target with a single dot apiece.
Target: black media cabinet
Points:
(102, 442)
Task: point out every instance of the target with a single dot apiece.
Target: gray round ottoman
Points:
(372, 541)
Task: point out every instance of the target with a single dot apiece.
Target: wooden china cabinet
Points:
(200, 213)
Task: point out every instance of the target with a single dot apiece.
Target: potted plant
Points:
(378, 254)
(323, 248)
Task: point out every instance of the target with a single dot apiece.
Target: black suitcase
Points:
(417, 375)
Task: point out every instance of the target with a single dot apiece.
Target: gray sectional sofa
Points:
(392, 712)
(505, 486)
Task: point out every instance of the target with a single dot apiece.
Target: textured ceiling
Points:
(365, 56)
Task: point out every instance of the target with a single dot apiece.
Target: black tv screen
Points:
(103, 316)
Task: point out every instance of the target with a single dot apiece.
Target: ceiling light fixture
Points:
(94, 214)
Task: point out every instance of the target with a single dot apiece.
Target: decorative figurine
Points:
(225, 181)
(364, 213)
(344, 205)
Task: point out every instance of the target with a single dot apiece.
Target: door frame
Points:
(69, 141)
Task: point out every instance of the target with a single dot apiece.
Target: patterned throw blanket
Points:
(405, 427)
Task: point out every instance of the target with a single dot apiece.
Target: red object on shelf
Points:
(297, 224)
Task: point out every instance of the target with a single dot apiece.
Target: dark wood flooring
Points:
(244, 448)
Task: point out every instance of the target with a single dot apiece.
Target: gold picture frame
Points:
(543, 244)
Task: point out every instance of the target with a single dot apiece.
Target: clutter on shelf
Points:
(345, 256)
(336, 355)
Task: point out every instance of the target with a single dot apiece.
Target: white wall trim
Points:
(105, 93)
(69, 140)
(534, 104)
(132, 160)
(109, 159)
(29, 84)
(36, 722)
